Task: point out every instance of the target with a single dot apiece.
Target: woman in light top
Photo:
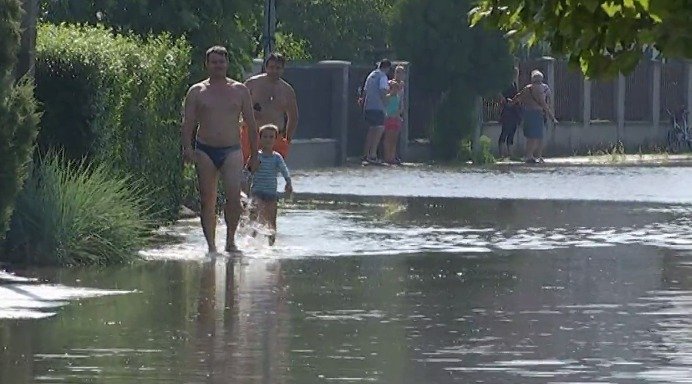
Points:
(394, 116)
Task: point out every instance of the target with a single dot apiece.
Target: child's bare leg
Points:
(389, 145)
(263, 213)
(272, 208)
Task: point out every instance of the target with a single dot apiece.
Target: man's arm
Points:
(249, 119)
(292, 114)
(517, 99)
(384, 88)
(189, 121)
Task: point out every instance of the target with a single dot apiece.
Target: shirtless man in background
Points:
(274, 102)
(215, 104)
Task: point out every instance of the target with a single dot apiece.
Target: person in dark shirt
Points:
(510, 116)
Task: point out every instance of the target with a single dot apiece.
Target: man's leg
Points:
(231, 174)
(510, 139)
(501, 140)
(530, 148)
(539, 148)
(375, 143)
(368, 143)
(207, 179)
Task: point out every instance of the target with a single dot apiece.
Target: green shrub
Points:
(10, 34)
(18, 115)
(482, 156)
(19, 121)
(234, 24)
(465, 150)
(73, 213)
(115, 97)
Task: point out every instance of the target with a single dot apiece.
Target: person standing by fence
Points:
(510, 116)
(376, 88)
(395, 116)
(534, 100)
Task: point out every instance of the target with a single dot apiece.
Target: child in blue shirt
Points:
(264, 183)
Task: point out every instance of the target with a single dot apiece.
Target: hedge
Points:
(115, 98)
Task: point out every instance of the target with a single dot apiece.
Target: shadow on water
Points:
(387, 290)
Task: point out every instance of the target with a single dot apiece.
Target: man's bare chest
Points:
(219, 101)
(269, 97)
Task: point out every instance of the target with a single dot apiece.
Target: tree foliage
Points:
(450, 61)
(601, 37)
(354, 30)
(19, 115)
(203, 22)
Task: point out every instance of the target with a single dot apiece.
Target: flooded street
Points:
(407, 275)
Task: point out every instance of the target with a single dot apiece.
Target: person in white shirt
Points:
(376, 89)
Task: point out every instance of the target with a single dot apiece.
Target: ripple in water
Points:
(324, 233)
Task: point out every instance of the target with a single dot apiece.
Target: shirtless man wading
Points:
(274, 102)
(215, 104)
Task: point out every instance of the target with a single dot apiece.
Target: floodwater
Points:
(407, 275)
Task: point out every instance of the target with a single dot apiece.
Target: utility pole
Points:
(268, 34)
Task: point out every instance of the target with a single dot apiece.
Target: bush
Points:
(115, 97)
(73, 213)
(452, 63)
(19, 121)
(454, 121)
(18, 115)
(203, 22)
(482, 157)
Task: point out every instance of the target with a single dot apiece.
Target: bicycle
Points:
(678, 136)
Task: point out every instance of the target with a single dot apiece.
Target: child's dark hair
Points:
(277, 57)
(271, 127)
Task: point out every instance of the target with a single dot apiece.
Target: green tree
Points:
(601, 37)
(452, 62)
(232, 24)
(18, 114)
(354, 30)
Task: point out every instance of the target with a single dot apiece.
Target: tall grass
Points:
(74, 214)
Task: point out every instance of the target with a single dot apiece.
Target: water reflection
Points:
(238, 321)
(568, 315)
(217, 321)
